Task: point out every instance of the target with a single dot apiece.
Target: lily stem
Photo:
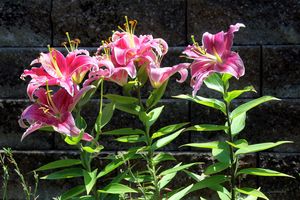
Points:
(233, 160)
(149, 158)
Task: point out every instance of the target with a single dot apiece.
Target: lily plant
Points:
(61, 86)
(214, 63)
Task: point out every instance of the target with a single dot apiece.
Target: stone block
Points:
(93, 21)
(267, 22)
(279, 188)
(13, 61)
(25, 23)
(11, 132)
(281, 71)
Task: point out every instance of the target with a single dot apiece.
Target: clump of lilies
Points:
(60, 86)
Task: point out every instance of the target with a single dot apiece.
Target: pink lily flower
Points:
(104, 69)
(214, 55)
(53, 111)
(127, 52)
(56, 69)
(159, 75)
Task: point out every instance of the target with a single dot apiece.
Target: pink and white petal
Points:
(82, 63)
(47, 64)
(78, 95)
(67, 126)
(68, 85)
(229, 35)
(62, 100)
(190, 52)
(35, 72)
(207, 41)
(214, 43)
(120, 77)
(33, 127)
(232, 64)
(107, 65)
(119, 55)
(87, 137)
(60, 59)
(183, 75)
(196, 82)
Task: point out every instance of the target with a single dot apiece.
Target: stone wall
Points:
(269, 46)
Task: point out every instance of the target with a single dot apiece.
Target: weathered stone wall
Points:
(269, 46)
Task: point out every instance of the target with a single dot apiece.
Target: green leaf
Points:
(156, 95)
(223, 193)
(168, 129)
(222, 153)
(75, 191)
(124, 131)
(214, 82)
(225, 80)
(93, 150)
(206, 127)
(249, 105)
(236, 93)
(167, 178)
(162, 157)
(59, 164)
(107, 114)
(90, 179)
(89, 94)
(205, 145)
(213, 103)
(119, 99)
(238, 124)
(150, 118)
(259, 147)
(115, 164)
(47, 129)
(128, 87)
(238, 144)
(252, 192)
(117, 188)
(139, 178)
(215, 168)
(80, 123)
(262, 172)
(130, 139)
(194, 176)
(208, 182)
(142, 75)
(179, 195)
(179, 168)
(65, 173)
(249, 197)
(165, 140)
(86, 197)
(129, 108)
(74, 140)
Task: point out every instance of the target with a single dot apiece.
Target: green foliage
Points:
(252, 192)
(59, 164)
(226, 153)
(63, 174)
(6, 158)
(209, 102)
(156, 95)
(90, 179)
(261, 172)
(117, 188)
(150, 182)
(73, 192)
